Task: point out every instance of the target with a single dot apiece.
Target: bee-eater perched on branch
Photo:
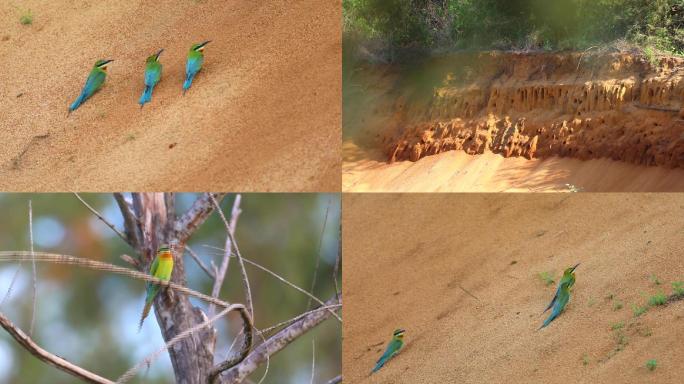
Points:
(194, 64)
(153, 71)
(161, 268)
(393, 348)
(93, 83)
(560, 300)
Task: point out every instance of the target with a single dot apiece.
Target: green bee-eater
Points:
(194, 64)
(562, 296)
(93, 83)
(153, 70)
(161, 268)
(393, 348)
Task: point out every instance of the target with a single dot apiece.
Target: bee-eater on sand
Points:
(194, 64)
(393, 348)
(161, 268)
(562, 296)
(153, 71)
(93, 83)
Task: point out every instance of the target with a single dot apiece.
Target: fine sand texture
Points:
(263, 115)
(460, 273)
(456, 171)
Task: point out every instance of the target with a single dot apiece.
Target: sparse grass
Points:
(678, 288)
(610, 296)
(616, 326)
(617, 305)
(657, 299)
(547, 278)
(638, 311)
(646, 332)
(585, 359)
(130, 137)
(621, 340)
(652, 364)
(654, 279)
(591, 302)
(26, 18)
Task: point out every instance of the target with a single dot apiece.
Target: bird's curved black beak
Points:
(159, 53)
(106, 62)
(576, 265)
(204, 43)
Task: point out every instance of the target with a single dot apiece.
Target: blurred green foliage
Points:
(90, 317)
(515, 24)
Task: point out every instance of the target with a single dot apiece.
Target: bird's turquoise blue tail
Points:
(78, 102)
(188, 81)
(381, 362)
(146, 95)
(552, 317)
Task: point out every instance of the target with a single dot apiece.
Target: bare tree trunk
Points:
(193, 357)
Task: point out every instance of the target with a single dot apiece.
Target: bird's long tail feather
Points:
(188, 82)
(146, 96)
(81, 98)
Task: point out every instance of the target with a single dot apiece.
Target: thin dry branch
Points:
(49, 358)
(199, 262)
(335, 380)
(274, 344)
(195, 216)
(230, 240)
(153, 356)
(35, 277)
(23, 256)
(99, 216)
(318, 258)
(130, 221)
(285, 281)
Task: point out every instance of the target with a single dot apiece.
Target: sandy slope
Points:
(407, 257)
(456, 171)
(263, 115)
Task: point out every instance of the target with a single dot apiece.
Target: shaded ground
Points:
(263, 115)
(409, 258)
(456, 171)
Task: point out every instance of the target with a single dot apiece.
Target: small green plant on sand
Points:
(585, 359)
(651, 364)
(657, 299)
(617, 305)
(26, 18)
(638, 311)
(678, 288)
(547, 278)
(616, 326)
(654, 279)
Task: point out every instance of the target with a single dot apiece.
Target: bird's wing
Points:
(94, 82)
(555, 297)
(193, 65)
(152, 75)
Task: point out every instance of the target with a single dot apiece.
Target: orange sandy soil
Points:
(456, 171)
(409, 258)
(264, 114)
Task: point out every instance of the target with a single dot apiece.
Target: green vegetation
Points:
(616, 326)
(638, 311)
(26, 18)
(621, 340)
(657, 299)
(656, 25)
(654, 279)
(617, 305)
(678, 288)
(547, 278)
(651, 364)
(585, 359)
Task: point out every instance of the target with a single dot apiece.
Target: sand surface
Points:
(456, 171)
(407, 258)
(263, 115)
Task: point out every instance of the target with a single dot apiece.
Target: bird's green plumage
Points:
(153, 71)
(560, 300)
(94, 82)
(194, 63)
(393, 347)
(161, 268)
